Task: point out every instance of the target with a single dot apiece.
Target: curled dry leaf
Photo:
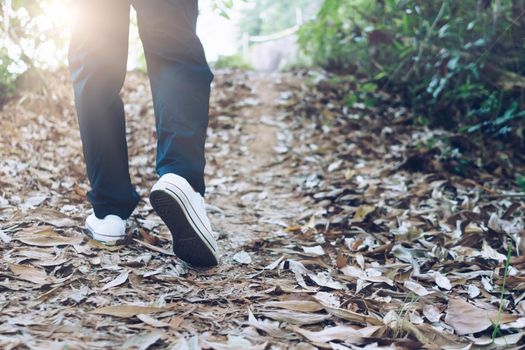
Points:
(466, 318)
(121, 279)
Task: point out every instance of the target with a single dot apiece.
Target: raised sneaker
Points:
(184, 212)
(108, 230)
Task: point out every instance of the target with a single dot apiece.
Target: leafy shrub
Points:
(32, 35)
(232, 62)
(459, 62)
(6, 78)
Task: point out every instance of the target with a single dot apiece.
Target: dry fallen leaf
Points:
(488, 252)
(416, 288)
(30, 274)
(242, 257)
(294, 317)
(314, 251)
(269, 327)
(4, 237)
(127, 311)
(142, 341)
(353, 271)
(296, 305)
(345, 333)
(362, 212)
(120, 279)
(442, 281)
(152, 321)
(45, 236)
(466, 318)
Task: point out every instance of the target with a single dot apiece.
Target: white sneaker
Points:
(183, 210)
(108, 230)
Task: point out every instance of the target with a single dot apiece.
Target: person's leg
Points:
(97, 59)
(180, 80)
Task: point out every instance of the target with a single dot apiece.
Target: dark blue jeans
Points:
(180, 79)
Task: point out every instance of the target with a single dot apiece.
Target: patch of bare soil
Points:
(337, 230)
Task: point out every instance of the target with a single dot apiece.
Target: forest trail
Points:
(334, 234)
(258, 197)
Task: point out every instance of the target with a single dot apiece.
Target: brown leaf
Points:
(127, 311)
(430, 336)
(30, 274)
(45, 236)
(344, 333)
(352, 316)
(362, 212)
(466, 318)
(294, 317)
(149, 238)
(341, 259)
(297, 305)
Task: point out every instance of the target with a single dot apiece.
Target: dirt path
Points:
(251, 200)
(259, 198)
(327, 242)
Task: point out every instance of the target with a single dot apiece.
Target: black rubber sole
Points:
(187, 244)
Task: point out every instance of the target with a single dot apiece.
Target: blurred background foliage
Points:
(265, 17)
(457, 64)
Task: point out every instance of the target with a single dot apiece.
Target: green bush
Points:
(232, 62)
(6, 78)
(31, 36)
(461, 63)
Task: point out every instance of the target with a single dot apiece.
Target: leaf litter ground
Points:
(339, 228)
